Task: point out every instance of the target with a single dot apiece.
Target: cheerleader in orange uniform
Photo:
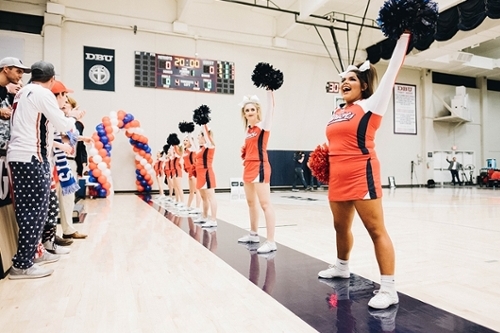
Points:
(354, 184)
(257, 170)
(168, 171)
(158, 167)
(190, 169)
(176, 169)
(205, 177)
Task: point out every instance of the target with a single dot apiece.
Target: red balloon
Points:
(103, 152)
(98, 144)
(111, 137)
(102, 179)
(106, 186)
(108, 129)
(96, 173)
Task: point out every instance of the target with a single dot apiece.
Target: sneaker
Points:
(249, 239)
(63, 242)
(209, 224)
(46, 258)
(333, 272)
(387, 317)
(267, 247)
(54, 249)
(383, 299)
(34, 272)
(294, 190)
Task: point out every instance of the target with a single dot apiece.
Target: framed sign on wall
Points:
(405, 109)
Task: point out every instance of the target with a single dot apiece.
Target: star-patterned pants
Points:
(31, 189)
(49, 230)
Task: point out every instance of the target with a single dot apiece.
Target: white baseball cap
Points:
(14, 62)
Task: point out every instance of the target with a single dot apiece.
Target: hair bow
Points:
(364, 67)
(246, 100)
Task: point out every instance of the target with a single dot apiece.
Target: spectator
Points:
(67, 197)
(37, 117)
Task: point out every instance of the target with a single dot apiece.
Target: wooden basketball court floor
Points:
(142, 269)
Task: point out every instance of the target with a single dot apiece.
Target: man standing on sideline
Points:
(454, 167)
(298, 158)
(35, 117)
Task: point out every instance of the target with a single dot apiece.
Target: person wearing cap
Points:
(11, 71)
(67, 198)
(35, 117)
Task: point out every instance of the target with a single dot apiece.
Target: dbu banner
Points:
(98, 69)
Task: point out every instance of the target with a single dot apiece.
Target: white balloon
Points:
(107, 173)
(138, 157)
(114, 121)
(102, 166)
(97, 159)
(93, 151)
(113, 114)
(147, 166)
(144, 161)
(140, 130)
(116, 129)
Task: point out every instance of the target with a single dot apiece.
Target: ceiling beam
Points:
(284, 24)
(182, 8)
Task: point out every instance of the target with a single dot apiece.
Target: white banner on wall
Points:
(405, 109)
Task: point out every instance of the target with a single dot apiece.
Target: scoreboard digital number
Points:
(184, 73)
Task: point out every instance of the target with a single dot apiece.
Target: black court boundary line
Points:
(290, 277)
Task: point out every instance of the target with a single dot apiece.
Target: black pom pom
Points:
(173, 140)
(201, 115)
(264, 75)
(186, 127)
(166, 148)
(418, 16)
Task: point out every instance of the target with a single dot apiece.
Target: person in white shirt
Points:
(35, 117)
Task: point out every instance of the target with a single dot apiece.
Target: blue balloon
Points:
(101, 133)
(148, 150)
(132, 141)
(147, 188)
(92, 179)
(108, 147)
(144, 183)
(137, 172)
(140, 145)
(102, 193)
(104, 139)
(98, 187)
(99, 127)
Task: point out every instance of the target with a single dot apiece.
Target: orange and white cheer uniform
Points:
(354, 166)
(205, 176)
(256, 167)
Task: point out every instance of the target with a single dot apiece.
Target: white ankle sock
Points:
(343, 265)
(253, 233)
(387, 283)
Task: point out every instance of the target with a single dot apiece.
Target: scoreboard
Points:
(183, 73)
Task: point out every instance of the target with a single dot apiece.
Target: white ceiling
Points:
(482, 42)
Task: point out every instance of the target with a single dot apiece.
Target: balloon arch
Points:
(100, 153)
